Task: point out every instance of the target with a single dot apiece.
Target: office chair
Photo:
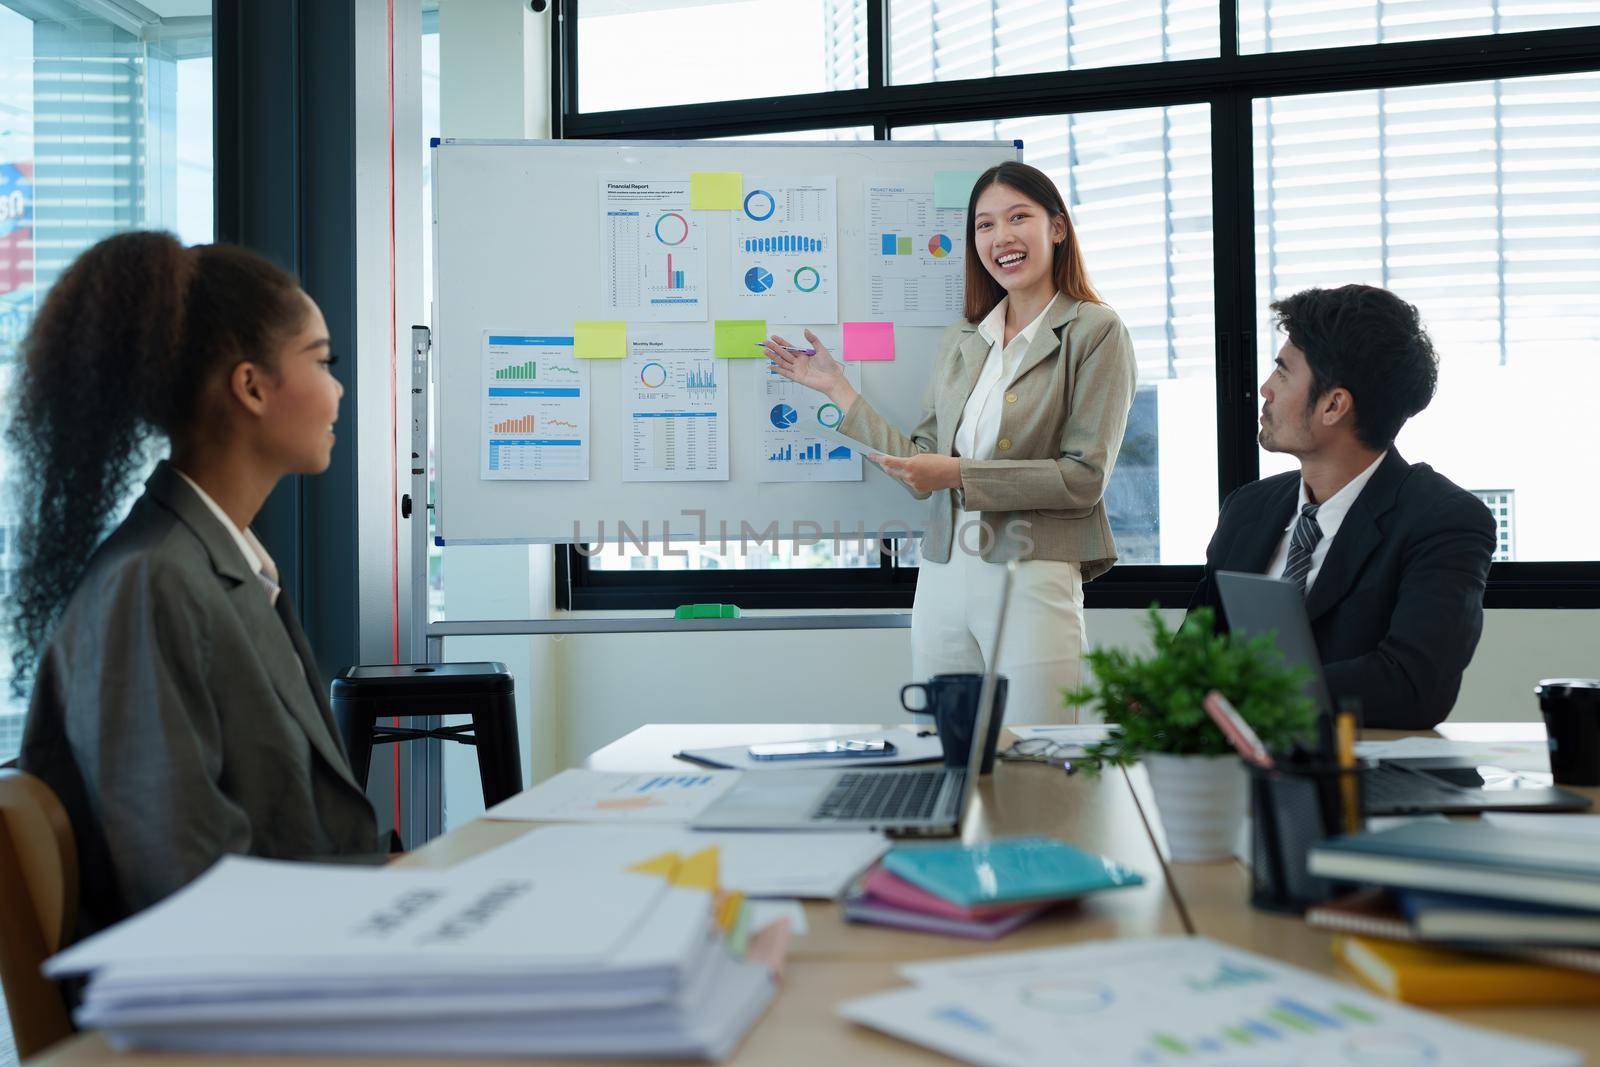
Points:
(38, 907)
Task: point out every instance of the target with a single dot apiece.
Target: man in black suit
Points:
(1392, 556)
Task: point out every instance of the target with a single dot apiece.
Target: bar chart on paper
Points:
(677, 429)
(783, 242)
(653, 261)
(1161, 1002)
(535, 408)
(798, 439)
(915, 257)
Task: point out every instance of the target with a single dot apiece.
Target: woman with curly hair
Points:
(176, 708)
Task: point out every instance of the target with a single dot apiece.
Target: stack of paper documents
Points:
(268, 957)
(1161, 1001)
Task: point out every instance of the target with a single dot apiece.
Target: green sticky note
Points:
(716, 190)
(953, 188)
(605, 339)
(739, 338)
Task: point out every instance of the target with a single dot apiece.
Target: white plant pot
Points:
(1202, 801)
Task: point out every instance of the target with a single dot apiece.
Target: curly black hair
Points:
(117, 357)
(1369, 341)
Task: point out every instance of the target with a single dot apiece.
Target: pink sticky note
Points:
(869, 342)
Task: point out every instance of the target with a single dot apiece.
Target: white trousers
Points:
(953, 624)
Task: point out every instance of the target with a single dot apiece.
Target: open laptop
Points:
(910, 801)
(1257, 604)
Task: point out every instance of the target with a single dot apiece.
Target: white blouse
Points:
(979, 428)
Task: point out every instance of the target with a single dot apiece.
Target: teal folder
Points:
(1007, 871)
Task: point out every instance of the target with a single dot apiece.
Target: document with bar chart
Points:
(652, 251)
(785, 261)
(535, 409)
(799, 438)
(1155, 1002)
(676, 399)
(916, 258)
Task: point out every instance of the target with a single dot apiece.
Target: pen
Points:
(1345, 726)
(787, 348)
(1236, 730)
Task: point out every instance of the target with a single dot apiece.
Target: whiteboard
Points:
(518, 250)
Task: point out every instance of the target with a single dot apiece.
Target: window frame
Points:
(1229, 83)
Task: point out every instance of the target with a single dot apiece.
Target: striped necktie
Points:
(1302, 543)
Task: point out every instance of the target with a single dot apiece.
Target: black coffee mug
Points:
(1571, 709)
(952, 700)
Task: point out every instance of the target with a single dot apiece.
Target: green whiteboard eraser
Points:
(706, 611)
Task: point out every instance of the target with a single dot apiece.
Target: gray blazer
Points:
(1060, 433)
(180, 717)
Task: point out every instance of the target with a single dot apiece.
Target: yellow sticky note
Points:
(698, 871)
(716, 190)
(599, 340)
(739, 338)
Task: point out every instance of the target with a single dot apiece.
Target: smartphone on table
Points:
(832, 748)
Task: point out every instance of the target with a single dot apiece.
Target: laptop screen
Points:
(980, 728)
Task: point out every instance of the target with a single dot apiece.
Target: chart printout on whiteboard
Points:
(800, 441)
(916, 258)
(676, 398)
(535, 424)
(784, 265)
(653, 251)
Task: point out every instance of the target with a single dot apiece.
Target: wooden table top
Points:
(836, 961)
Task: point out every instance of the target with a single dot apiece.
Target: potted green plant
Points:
(1156, 702)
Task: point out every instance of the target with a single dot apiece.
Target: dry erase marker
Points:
(1236, 730)
(786, 348)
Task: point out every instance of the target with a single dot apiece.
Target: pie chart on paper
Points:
(784, 416)
(939, 246)
(758, 279)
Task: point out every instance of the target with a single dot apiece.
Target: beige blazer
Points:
(1060, 431)
(179, 717)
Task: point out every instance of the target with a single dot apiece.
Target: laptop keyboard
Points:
(1391, 789)
(886, 795)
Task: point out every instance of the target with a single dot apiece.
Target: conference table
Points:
(1111, 814)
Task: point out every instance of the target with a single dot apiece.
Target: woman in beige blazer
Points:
(1020, 430)
(176, 708)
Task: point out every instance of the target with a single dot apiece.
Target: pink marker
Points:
(1236, 730)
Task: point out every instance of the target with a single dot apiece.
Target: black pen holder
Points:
(1293, 807)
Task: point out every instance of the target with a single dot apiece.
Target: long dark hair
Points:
(1071, 277)
(121, 351)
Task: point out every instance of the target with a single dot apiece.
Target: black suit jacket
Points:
(1397, 608)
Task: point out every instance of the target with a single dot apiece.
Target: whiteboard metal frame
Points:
(426, 641)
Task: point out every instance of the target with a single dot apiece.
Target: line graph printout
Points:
(535, 408)
(676, 398)
(784, 264)
(653, 251)
(916, 258)
(800, 441)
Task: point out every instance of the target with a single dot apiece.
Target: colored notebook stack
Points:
(981, 891)
(1466, 913)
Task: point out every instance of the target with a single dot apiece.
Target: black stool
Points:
(363, 695)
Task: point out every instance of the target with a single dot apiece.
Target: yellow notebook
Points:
(1418, 974)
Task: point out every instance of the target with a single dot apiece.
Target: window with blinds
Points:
(654, 53)
(1287, 25)
(942, 40)
(1479, 203)
(1137, 184)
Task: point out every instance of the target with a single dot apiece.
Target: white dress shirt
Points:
(1330, 516)
(979, 428)
(255, 556)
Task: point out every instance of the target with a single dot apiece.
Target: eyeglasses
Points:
(1042, 750)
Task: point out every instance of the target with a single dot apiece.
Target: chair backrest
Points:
(38, 907)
